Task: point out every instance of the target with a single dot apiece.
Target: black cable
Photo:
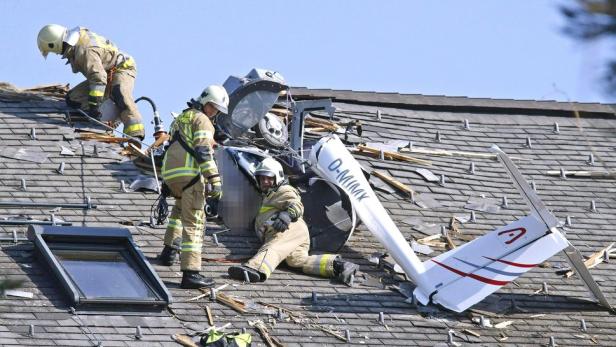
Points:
(160, 210)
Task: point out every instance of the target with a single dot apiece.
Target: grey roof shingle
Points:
(540, 316)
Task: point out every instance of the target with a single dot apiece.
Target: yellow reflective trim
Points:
(265, 269)
(133, 128)
(182, 169)
(96, 93)
(202, 134)
(175, 223)
(266, 208)
(206, 165)
(323, 270)
(170, 177)
(128, 63)
(191, 246)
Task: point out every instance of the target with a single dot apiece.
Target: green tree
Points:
(593, 20)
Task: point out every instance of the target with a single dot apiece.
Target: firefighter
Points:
(190, 173)
(284, 233)
(109, 72)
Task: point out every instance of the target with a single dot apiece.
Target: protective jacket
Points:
(284, 198)
(103, 65)
(187, 163)
(291, 245)
(195, 129)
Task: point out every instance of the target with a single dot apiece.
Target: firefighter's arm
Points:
(290, 202)
(97, 78)
(203, 139)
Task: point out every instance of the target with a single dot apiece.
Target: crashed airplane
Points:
(329, 176)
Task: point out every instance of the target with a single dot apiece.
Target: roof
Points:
(535, 315)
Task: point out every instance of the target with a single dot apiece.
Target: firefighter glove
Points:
(282, 221)
(216, 191)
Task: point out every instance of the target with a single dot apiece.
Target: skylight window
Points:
(98, 266)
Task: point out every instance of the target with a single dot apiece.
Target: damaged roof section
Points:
(454, 192)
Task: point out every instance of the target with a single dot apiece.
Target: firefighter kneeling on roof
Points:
(187, 166)
(109, 72)
(284, 233)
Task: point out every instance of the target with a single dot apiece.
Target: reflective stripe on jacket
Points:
(285, 198)
(197, 131)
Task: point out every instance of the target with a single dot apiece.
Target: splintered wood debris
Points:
(470, 332)
(184, 340)
(503, 325)
(318, 124)
(308, 322)
(208, 312)
(394, 183)
(107, 138)
(271, 341)
(439, 152)
(55, 90)
(389, 155)
(593, 260)
(234, 303)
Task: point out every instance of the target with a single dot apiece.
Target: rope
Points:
(113, 129)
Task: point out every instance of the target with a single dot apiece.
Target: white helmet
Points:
(216, 95)
(270, 167)
(50, 39)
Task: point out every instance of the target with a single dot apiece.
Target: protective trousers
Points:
(187, 220)
(292, 246)
(121, 93)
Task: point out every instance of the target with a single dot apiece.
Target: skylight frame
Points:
(47, 239)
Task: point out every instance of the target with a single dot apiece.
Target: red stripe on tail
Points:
(473, 276)
(512, 263)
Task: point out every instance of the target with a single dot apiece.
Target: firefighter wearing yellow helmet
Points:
(190, 173)
(279, 224)
(109, 72)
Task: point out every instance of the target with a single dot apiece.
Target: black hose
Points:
(150, 101)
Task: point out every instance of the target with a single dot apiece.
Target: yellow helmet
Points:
(50, 39)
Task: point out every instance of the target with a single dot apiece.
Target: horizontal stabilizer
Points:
(466, 275)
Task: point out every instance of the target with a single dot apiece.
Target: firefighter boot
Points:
(344, 270)
(237, 272)
(169, 253)
(194, 280)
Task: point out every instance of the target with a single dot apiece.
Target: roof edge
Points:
(457, 104)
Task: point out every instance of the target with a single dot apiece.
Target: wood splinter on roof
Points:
(184, 340)
(394, 183)
(593, 260)
(271, 341)
(374, 152)
(441, 152)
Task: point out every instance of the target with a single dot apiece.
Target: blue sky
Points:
(498, 49)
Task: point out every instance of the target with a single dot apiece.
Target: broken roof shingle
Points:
(535, 317)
